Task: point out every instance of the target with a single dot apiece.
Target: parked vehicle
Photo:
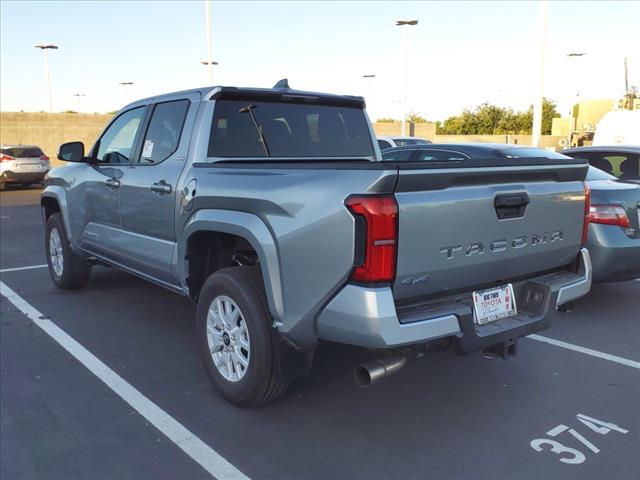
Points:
(623, 161)
(391, 142)
(273, 210)
(614, 230)
(22, 164)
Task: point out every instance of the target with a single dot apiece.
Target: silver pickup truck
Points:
(274, 211)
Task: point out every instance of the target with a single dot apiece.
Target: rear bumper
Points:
(368, 317)
(615, 256)
(18, 177)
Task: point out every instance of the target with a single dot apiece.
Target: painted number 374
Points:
(571, 455)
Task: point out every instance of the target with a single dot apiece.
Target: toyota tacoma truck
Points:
(274, 211)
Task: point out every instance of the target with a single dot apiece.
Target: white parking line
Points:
(17, 269)
(199, 451)
(586, 351)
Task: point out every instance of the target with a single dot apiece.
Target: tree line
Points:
(487, 119)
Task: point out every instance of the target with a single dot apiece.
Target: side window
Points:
(116, 145)
(165, 128)
(383, 144)
(439, 156)
(397, 155)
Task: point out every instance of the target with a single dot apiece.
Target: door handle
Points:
(161, 187)
(112, 183)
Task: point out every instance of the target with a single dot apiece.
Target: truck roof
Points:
(280, 93)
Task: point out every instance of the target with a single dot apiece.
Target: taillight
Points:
(44, 158)
(609, 215)
(6, 158)
(585, 222)
(376, 237)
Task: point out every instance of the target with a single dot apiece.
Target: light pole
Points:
(125, 85)
(536, 128)
(405, 23)
(44, 47)
(571, 123)
(78, 96)
(369, 79)
(210, 62)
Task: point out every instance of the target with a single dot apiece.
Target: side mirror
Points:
(71, 152)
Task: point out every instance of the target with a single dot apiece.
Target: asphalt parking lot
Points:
(442, 417)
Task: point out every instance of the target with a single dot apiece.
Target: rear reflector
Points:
(376, 237)
(587, 205)
(609, 215)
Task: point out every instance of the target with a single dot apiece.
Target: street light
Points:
(405, 23)
(369, 79)
(126, 84)
(210, 62)
(536, 127)
(78, 96)
(571, 123)
(44, 47)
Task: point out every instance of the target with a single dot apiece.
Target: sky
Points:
(461, 54)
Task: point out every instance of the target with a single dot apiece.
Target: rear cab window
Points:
(265, 129)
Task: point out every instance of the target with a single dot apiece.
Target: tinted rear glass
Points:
(529, 152)
(401, 142)
(23, 152)
(398, 155)
(597, 174)
(288, 130)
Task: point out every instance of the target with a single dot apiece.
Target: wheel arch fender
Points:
(245, 225)
(57, 194)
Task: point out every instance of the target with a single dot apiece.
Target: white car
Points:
(23, 164)
(390, 142)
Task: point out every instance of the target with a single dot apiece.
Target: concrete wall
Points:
(390, 129)
(49, 130)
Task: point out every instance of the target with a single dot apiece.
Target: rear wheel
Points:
(68, 271)
(235, 337)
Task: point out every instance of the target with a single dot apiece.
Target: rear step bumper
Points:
(368, 317)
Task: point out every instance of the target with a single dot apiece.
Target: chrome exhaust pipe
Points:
(369, 373)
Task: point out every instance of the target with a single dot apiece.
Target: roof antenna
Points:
(282, 84)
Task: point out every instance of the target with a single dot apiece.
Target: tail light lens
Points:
(6, 158)
(587, 216)
(44, 158)
(376, 237)
(609, 215)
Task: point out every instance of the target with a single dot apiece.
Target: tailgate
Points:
(460, 228)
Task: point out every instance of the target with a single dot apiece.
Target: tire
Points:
(67, 270)
(259, 381)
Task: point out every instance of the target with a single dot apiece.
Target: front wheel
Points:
(67, 270)
(234, 335)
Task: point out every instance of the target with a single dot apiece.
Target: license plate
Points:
(493, 304)
(29, 167)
